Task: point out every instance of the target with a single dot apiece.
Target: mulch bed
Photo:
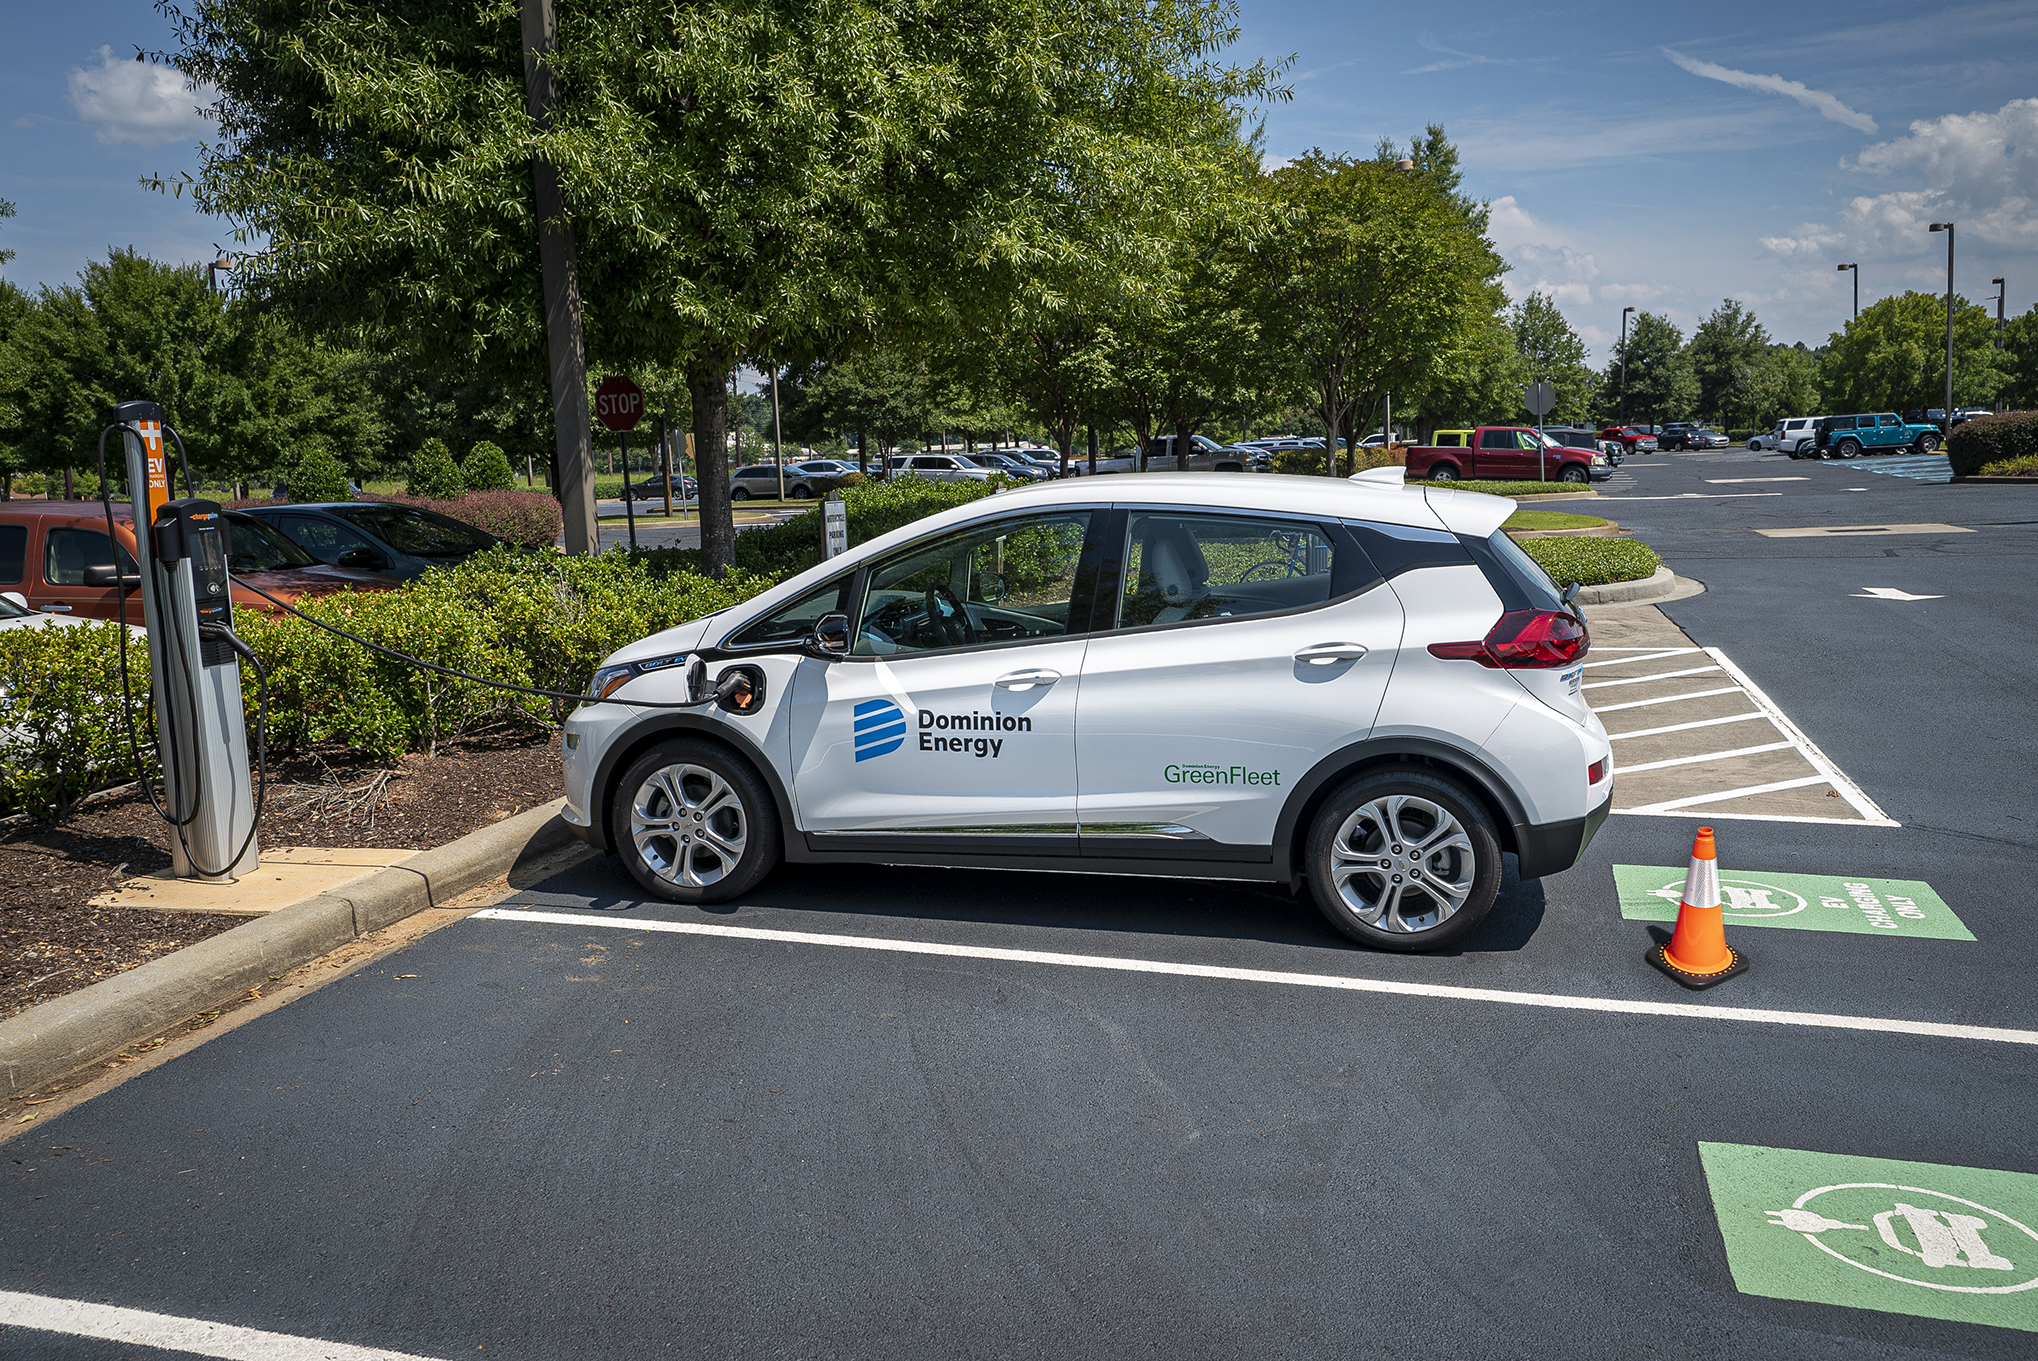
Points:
(52, 941)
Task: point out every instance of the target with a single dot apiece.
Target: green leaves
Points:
(1893, 356)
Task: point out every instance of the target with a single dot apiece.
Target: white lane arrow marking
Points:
(1891, 593)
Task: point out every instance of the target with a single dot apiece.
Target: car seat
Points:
(1172, 575)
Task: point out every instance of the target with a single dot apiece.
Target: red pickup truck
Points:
(1501, 453)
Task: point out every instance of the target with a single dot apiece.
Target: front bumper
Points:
(1552, 847)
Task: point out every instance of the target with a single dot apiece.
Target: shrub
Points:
(433, 474)
(318, 476)
(1984, 440)
(1593, 562)
(2026, 466)
(875, 509)
(1301, 463)
(62, 734)
(528, 519)
(487, 469)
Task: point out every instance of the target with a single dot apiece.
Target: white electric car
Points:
(1367, 688)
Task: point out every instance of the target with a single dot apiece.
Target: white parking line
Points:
(1723, 481)
(1644, 680)
(1664, 699)
(1630, 661)
(1683, 727)
(1851, 792)
(167, 1332)
(1745, 791)
(1702, 758)
(1557, 1001)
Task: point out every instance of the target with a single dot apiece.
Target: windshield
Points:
(261, 547)
(417, 531)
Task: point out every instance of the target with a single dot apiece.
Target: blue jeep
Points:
(1849, 436)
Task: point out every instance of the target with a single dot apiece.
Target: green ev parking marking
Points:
(1805, 902)
(1873, 1233)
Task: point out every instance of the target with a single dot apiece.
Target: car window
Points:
(792, 623)
(417, 531)
(323, 539)
(931, 462)
(1887, 421)
(1185, 567)
(257, 546)
(989, 583)
(1497, 439)
(13, 553)
(1525, 584)
(68, 552)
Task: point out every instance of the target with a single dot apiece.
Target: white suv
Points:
(939, 468)
(1277, 679)
(1792, 435)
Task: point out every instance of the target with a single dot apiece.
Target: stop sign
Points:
(619, 404)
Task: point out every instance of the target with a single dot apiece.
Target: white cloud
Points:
(1455, 60)
(137, 101)
(1828, 106)
(1544, 262)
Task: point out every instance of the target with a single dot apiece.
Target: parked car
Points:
(1364, 688)
(653, 488)
(1968, 413)
(1705, 437)
(1509, 453)
(939, 468)
(1792, 435)
(1851, 436)
(1675, 435)
(1635, 439)
(1007, 465)
(377, 536)
(1586, 440)
(55, 555)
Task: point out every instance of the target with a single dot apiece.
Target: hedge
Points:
(1986, 440)
(1593, 562)
(61, 731)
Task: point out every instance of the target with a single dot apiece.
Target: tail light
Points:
(1596, 772)
(1523, 640)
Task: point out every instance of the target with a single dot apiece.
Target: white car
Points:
(939, 468)
(1365, 687)
(1792, 435)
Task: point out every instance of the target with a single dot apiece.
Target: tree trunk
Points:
(1065, 441)
(862, 454)
(707, 379)
(1093, 449)
(1181, 445)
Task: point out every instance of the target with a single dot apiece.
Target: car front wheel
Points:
(694, 824)
(1403, 861)
(1925, 444)
(1574, 473)
(738, 494)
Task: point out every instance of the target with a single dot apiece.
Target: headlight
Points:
(610, 679)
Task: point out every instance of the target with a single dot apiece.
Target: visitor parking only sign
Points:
(1875, 1233)
(1807, 902)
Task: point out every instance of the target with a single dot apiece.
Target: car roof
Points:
(64, 508)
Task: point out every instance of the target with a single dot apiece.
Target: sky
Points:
(1659, 156)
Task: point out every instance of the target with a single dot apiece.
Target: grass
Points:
(1551, 519)
(1593, 562)
(1506, 488)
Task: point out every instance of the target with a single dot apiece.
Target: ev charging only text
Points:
(933, 726)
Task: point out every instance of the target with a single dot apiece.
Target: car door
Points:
(1890, 432)
(951, 723)
(75, 559)
(1232, 651)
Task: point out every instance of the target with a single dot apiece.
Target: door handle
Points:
(1326, 654)
(1023, 681)
(56, 609)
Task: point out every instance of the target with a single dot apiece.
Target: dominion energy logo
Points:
(879, 727)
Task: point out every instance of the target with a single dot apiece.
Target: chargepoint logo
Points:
(1951, 1243)
(880, 727)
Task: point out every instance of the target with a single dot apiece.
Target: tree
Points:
(1369, 276)
(1726, 352)
(433, 472)
(2020, 362)
(743, 179)
(1786, 383)
(1475, 382)
(318, 476)
(487, 469)
(1660, 384)
(1552, 353)
(1893, 356)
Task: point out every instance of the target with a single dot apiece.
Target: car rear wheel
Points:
(693, 823)
(1925, 444)
(1403, 861)
(1443, 472)
(1850, 448)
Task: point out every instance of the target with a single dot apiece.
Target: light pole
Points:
(212, 271)
(2001, 292)
(1857, 285)
(1624, 364)
(1947, 227)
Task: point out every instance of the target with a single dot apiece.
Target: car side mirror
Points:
(990, 587)
(102, 574)
(366, 559)
(830, 638)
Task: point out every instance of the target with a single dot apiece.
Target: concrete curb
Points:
(2005, 479)
(1622, 592)
(68, 1032)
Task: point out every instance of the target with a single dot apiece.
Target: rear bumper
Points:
(1552, 847)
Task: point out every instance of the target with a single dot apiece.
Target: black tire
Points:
(738, 494)
(1443, 472)
(717, 839)
(1349, 838)
(1925, 443)
(1848, 448)
(1574, 473)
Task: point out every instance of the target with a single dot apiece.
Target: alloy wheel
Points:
(689, 825)
(1403, 864)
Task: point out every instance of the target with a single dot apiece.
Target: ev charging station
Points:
(183, 548)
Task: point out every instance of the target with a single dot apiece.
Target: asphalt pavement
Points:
(885, 1112)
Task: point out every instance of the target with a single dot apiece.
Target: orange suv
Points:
(55, 556)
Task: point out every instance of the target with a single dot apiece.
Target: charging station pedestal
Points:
(183, 548)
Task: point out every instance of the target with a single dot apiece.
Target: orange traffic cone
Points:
(1698, 955)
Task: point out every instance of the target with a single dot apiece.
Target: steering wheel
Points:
(1275, 571)
(953, 629)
